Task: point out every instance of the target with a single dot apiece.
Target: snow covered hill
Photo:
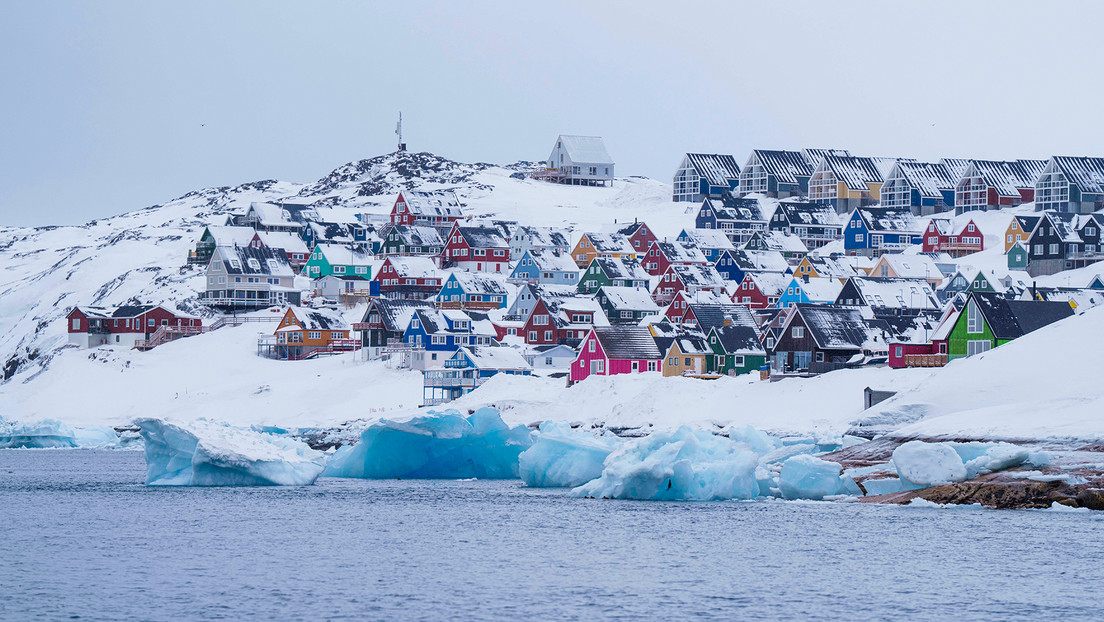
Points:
(139, 256)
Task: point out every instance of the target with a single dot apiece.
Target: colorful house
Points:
(1071, 184)
(467, 370)
(340, 260)
(245, 277)
(596, 244)
(789, 246)
(845, 182)
(736, 350)
(816, 266)
(127, 326)
(308, 333)
(546, 268)
(579, 160)
(415, 240)
(691, 279)
(922, 187)
(889, 296)
(710, 242)
(873, 231)
(471, 291)
(990, 320)
(992, 184)
(817, 338)
(436, 335)
(738, 218)
(662, 255)
(411, 278)
(734, 265)
(901, 266)
(815, 224)
(761, 290)
(626, 305)
(604, 271)
(613, 350)
(1019, 230)
(385, 320)
(539, 239)
(702, 175)
(776, 173)
(425, 208)
(822, 291)
(638, 234)
(561, 319)
(940, 237)
(477, 248)
(685, 355)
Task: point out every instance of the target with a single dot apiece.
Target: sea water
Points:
(82, 538)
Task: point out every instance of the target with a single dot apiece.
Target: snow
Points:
(928, 464)
(565, 457)
(684, 465)
(807, 477)
(437, 445)
(204, 453)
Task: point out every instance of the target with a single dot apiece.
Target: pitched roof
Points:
(543, 236)
(628, 298)
(912, 266)
(445, 204)
(855, 172)
(760, 261)
(835, 328)
(232, 236)
(717, 169)
(249, 260)
(474, 282)
(770, 283)
(1007, 177)
(822, 289)
(483, 237)
(620, 268)
(814, 155)
(290, 242)
(890, 219)
(317, 319)
(586, 149)
(697, 275)
(609, 242)
(928, 178)
(552, 262)
(714, 315)
(395, 314)
(786, 166)
(416, 235)
(627, 342)
(1009, 319)
(680, 253)
(731, 208)
(494, 357)
(342, 255)
(708, 238)
(738, 339)
(269, 214)
(892, 293)
(799, 212)
(413, 266)
(1086, 173)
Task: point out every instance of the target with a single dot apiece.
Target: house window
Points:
(533, 336)
(548, 360)
(548, 335)
(672, 361)
(820, 357)
(977, 346)
(590, 346)
(974, 324)
(76, 323)
(315, 334)
(636, 365)
(437, 340)
(540, 320)
(797, 332)
(738, 360)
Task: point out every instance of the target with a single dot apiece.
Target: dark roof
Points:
(1085, 173)
(738, 338)
(713, 315)
(853, 171)
(729, 207)
(263, 256)
(395, 313)
(835, 328)
(627, 342)
(717, 169)
(131, 310)
(1009, 319)
(786, 166)
(483, 237)
(806, 213)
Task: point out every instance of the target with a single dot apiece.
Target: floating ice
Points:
(95, 438)
(443, 445)
(684, 465)
(565, 457)
(982, 458)
(758, 441)
(929, 464)
(203, 453)
(44, 434)
(808, 477)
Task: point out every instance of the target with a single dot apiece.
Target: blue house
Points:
(435, 335)
(737, 218)
(733, 265)
(546, 268)
(467, 369)
(923, 187)
(823, 290)
(873, 231)
(709, 241)
(472, 290)
(703, 175)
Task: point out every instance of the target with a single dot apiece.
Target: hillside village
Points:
(793, 264)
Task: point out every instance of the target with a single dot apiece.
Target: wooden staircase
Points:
(165, 333)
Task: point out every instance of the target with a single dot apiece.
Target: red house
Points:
(564, 320)
(662, 255)
(422, 208)
(692, 279)
(993, 184)
(939, 237)
(409, 278)
(476, 249)
(761, 290)
(612, 350)
(639, 235)
(126, 326)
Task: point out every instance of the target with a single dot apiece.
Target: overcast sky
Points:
(113, 106)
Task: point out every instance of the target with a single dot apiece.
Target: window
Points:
(548, 335)
(540, 320)
(336, 335)
(672, 361)
(636, 365)
(1053, 249)
(315, 334)
(437, 340)
(820, 357)
(797, 332)
(898, 351)
(76, 323)
(977, 347)
(548, 360)
(361, 269)
(974, 324)
(688, 362)
(590, 346)
(533, 337)
(151, 322)
(738, 360)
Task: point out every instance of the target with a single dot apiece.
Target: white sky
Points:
(113, 106)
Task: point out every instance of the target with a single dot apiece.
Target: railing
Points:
(925, 360)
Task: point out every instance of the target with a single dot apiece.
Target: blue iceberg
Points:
(684, 465)
(204, 453)
(439, 445)
(44, 434)
(807, 477)
(565, 457)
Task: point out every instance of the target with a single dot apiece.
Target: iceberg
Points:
(44, 434)
(807, 477)
(982, 458)
(684, 465)
(96, 438)
(439, 445)
(929, 464)
(204, 453)
(565, 457)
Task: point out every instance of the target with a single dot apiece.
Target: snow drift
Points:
(439, 445)
(203, 453)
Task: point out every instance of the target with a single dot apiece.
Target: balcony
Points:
(925, 360)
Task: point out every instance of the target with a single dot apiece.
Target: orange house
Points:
(307, 333)
(593, 245)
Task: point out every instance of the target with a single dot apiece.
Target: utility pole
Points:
(398, 130)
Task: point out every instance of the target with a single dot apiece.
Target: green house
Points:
(411, 240)
(612, 271)
(626, 305)
(991, 320)
(736, 350)
(1017, 257)
(340, 260)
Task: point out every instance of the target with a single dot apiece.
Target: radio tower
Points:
(398, 130)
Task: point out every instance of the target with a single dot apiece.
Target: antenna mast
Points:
(398, 130)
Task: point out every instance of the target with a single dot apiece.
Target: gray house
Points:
(579, 160)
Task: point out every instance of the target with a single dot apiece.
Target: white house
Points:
(580, 160)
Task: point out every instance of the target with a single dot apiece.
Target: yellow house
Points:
(898, 266)
(1019, 230)
(686, 357)
(593, 245)
(846, 182)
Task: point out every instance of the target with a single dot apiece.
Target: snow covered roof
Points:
(1086, 173)
(1006, 177)
(330, 231)
(927, 178)
(620, 268)
(831, 266)
(770, 283)
(814, 155)
(717, 169)
(610, 242)
(708, 238)
(1066, 225)
(785, 166)
(822, 289)
(413, 266)
(731, 208)
(627, 342)
(316, 319)
(713, 315)
(543, 237)
(483, 237)
(1009, 319)
(835, 328)
(269, 214)
(798, 212)
(342, 255)
(738, 339)
(760, 261)
(494, 357)
(855, 172)
(552, 262)
(249, 260)
(628, 298)
(911, 266)
(395, 314)
(687, 344)
(955, 166)
(474, 282)
(697, 275)
(890, 219)
(585, 149)
(680, 253)
(290, 242)
(890, 293)
(781, 242)
(416, 235)
(432, 204)
(232, 236)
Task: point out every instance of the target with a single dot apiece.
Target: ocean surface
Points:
(82, 538)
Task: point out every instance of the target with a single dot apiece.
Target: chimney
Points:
(1034, 295)
(805, 277)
